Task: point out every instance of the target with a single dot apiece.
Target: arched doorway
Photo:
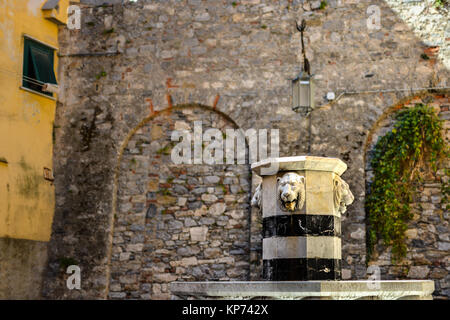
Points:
(184, 222)
(427, 235)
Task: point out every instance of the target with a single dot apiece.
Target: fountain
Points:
(302, 202)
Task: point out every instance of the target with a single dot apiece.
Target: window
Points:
(37, 66)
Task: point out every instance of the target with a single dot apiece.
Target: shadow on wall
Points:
(22, 263)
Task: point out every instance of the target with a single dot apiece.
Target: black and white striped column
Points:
(304, 244)
(301, 247)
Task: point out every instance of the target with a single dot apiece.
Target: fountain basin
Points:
(309, 290)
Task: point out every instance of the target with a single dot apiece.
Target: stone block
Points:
(346, 274)
(209, 198)
(135, 247)
(190, 261)
(217, 209)
(319, 192)
(182, 201)
(323, 247)
(212, 252)
(156, 132)
(165, 199)
(418, 272)
(198, 233)
(128, 279)
(284, 248)
(165, 277)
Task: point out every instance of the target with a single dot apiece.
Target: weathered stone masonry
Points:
(428, 231)
(239, 59)
(177, 222)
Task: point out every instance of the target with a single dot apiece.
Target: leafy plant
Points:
(440, 3)
(165, 192)
(397, 159)
(165, 150)
(323, 4)
(65, 262)
(223, 187)
(100, 75)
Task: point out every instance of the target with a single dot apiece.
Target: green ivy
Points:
(65, 262)
(397, 159)
(440, 3)
(100, 75)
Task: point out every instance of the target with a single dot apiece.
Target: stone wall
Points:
(180, 222)
(428, 232)
(429, 22)
(129, 61)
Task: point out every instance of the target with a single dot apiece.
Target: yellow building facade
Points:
(28, 60)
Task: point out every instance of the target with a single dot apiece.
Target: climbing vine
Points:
(440, 3)
(399, 159)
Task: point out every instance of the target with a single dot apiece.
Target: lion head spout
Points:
(343, 197)
(291, 191)
(257, 197)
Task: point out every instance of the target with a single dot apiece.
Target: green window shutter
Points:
(28, 70)
(38, 66)
(43, 64)
(42, 58)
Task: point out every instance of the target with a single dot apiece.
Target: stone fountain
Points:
(302, 201)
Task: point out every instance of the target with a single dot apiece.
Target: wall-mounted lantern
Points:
(303, 94)
(303, 85)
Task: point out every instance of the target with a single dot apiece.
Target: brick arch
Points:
(386, 121)
(389, 111)
(154, 206)
(427, 234)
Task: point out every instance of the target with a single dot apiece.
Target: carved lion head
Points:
(256, 200)
(291, 191)
(343, 197)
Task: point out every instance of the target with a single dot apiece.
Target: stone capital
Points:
(300, 163)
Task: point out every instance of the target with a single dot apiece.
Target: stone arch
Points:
(427, 234)
(386, 121)
(422, 96)
(178, 222)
